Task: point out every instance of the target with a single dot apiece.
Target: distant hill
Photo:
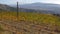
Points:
(42, 6)
(11, 8)
(7, 7)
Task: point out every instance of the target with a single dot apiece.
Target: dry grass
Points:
(33, 22)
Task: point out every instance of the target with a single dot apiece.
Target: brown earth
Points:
(28, 27)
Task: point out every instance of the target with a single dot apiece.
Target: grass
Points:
(33, 17)
(43, 18)
(1, 29)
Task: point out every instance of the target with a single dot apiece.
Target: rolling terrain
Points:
(9, 8)
(52, 8)
(28, 23)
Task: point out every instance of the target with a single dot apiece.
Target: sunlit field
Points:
(37, 17)
(49, 21)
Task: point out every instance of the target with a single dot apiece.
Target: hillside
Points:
(29, 23)
(42, 6)
(9, 8)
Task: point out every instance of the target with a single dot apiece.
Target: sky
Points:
(28, 1)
